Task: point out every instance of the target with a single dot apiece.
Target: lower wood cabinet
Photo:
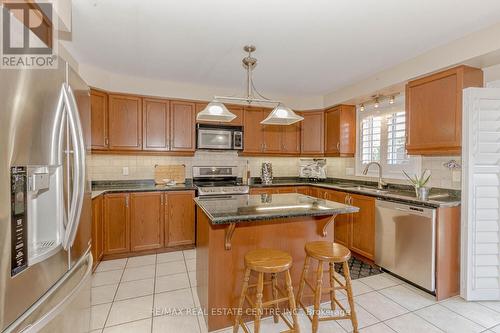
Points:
(146, 220)
(97, 230)
(116, 223)
(179, 218)
(142, 221)
(363, 226)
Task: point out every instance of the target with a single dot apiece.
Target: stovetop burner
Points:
(217, 180)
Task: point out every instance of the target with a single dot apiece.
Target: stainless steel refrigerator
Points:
(45, 201)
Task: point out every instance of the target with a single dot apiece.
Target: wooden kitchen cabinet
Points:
(434, 111)
(235, 109)
(312, 137)
(179, 218)
(146, 220)
(99, 119)
(156, 124)
(290, 139)
(182, 126)
(363, 226)
(340, 131)
(125, 122)
(253, 135)
(97, 229)
(116, 223)
(342, 223)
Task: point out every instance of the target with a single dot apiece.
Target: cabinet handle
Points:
(106, 141)
(338, 146)
(161, 200)
(126, 201)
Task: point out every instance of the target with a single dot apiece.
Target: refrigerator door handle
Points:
(57, 309)
(79, 167)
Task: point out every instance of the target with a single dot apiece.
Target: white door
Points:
(480, 268)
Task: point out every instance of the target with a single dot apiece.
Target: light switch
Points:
(349, 171)
(456, 176)
(125, 171)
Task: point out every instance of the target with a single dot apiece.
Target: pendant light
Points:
(216, 111)
(282, 115)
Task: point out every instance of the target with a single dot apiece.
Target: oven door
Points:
(214, 139)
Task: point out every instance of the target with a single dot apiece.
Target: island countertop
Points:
(246, 208)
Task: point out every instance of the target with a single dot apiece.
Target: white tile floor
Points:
(126, 291)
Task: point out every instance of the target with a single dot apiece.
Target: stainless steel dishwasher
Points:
(405, 241)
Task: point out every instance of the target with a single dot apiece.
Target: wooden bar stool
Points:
(330, 253)
(267, 261)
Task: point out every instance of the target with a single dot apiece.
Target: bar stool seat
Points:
(267, 261)
(331, 253)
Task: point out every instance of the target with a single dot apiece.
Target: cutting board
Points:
(172, 172)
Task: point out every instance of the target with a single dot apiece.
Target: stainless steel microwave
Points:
(219, 137)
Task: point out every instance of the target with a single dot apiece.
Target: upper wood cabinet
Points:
(235, 109)
(269, 139)
(116, 223)
(434, 111)
(340, 131)
(99, 119)
(253, 136)
(179, 218)
(312, 129)
(125, 122)
(146, 220)
(156, 124)
(182, 126)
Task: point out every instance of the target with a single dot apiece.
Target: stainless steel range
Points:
(218, 180)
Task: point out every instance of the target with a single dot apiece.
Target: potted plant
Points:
(419, 183)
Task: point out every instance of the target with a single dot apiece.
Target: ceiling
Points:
(302, 49)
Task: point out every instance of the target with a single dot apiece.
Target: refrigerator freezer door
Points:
(65, 307)
(28, 122)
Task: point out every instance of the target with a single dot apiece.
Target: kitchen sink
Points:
(366, 188)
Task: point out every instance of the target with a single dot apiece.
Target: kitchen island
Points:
(230, 226)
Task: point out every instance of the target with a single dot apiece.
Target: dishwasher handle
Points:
(406, 208)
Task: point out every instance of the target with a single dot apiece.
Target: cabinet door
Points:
(146, 221)
(253, 131)
(332, 131)
(125, 122)
(363, 226)
(286, 189)
(290, 139)
(347, 130)
(304, 190)
(237, 110)
(97, 229)
(116, 223)
(179, 218)
(156, 127)
(99, 120)
(342, 222)
(182, 126)
(272, 137)
(312, 129)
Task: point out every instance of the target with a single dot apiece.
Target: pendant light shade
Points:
(215, 111)
(282, 115)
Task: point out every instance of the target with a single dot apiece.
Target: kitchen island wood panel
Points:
(220, 272)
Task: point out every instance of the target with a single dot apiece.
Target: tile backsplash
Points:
(111, 167)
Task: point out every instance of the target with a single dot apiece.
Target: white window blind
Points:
(381, 138)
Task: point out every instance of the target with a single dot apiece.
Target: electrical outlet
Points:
(125, 171)
(349, 171)
(456, 176)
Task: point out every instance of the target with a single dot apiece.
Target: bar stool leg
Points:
(291, 301)
(332, 285)
(258, 303)
(274, 284)
(348, 285)
(317, 296)
(303, 279)
(242, 301)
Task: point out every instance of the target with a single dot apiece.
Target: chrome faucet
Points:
(381, 183)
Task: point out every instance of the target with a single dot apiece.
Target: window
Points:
(381, 138)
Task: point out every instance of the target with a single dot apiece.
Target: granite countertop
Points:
(246, 208)
(101, 187)
(404, 193)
